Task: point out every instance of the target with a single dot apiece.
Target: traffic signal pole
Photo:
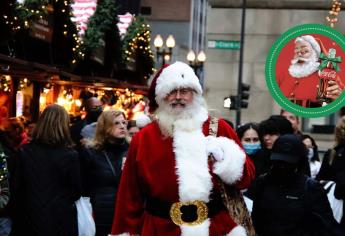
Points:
(240, 66)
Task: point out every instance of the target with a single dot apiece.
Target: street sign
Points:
(224, 44)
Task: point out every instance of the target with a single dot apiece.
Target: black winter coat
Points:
(100, 183)
(280, 210)
(46, 185)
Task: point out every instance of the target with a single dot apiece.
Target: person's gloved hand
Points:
(213, 147)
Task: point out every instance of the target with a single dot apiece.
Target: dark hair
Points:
(316, 152)
(243, 128)
(276, 124)
(52, 127)
(131, 123)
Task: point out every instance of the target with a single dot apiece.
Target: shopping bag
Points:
(86, 223)
(336, 204)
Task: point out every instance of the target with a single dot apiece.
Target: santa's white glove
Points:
(213, 147)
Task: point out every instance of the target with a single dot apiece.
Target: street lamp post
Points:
(196, 63)
(166, 54)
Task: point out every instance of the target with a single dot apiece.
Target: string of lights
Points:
(332, 17)
(137, 41)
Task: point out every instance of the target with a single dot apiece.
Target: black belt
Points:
(161, 209)
(309, 103)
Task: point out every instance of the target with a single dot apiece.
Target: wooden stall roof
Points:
(47, 73)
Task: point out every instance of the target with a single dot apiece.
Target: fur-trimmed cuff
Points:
(230, 169)
(237, 231)
(199, 230)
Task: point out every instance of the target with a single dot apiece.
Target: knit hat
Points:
(170, 77)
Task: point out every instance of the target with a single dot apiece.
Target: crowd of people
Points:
(166, 175)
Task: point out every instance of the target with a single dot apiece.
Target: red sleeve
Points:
(130, 201)
(248, 170)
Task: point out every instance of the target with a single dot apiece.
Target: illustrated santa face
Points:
(303, 52)
(305, 60)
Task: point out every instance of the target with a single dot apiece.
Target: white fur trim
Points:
(237, 231)
(194, 178)
(197, 230)
(310, 39)
(142, 121)
(191, 164)
(230, 169)
(177, 75)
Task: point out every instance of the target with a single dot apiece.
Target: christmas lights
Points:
(332, 17)
(137, 42)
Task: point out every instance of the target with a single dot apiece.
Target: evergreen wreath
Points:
(104, 20)
(31, 10)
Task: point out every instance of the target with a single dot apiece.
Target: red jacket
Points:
(153, 169)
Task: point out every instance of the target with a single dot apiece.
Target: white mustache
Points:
(178, 102)
(297, 59)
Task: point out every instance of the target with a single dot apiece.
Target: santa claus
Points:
(300, 84)
(168, 187)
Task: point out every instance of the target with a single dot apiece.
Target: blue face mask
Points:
(251, 148)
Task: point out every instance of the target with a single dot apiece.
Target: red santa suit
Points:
(301, 91)
(167, 170)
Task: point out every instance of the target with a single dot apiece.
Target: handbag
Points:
(231, 196)
(86, 223)
(336, 204)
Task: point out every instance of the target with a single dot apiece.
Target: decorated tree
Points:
(101, 42)
(136, 47)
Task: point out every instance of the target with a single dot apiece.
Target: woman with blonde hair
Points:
(333, 165)
(47, 179)
(102, 161)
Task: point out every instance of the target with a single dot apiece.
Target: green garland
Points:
(3, 165)
(104, 19)
(137, 43)
(31, 10)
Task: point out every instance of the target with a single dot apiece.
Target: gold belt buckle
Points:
(176, 214)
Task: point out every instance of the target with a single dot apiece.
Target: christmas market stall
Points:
(65, 51)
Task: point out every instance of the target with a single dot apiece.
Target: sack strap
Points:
(108, 160)
(213, 129)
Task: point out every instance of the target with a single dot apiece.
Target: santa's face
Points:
(305, 61)
(179, 98)
(303, 51)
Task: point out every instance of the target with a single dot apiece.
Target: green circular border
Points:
(271, 61)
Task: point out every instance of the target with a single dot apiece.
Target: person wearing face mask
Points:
(286, 201)
(313, 155)
(101, 166)
(93, 108)
(250, 139)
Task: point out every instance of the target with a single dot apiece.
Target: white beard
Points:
(191, 117)
(305, 69)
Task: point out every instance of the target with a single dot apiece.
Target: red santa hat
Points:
(315, 43)
(170, 77)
